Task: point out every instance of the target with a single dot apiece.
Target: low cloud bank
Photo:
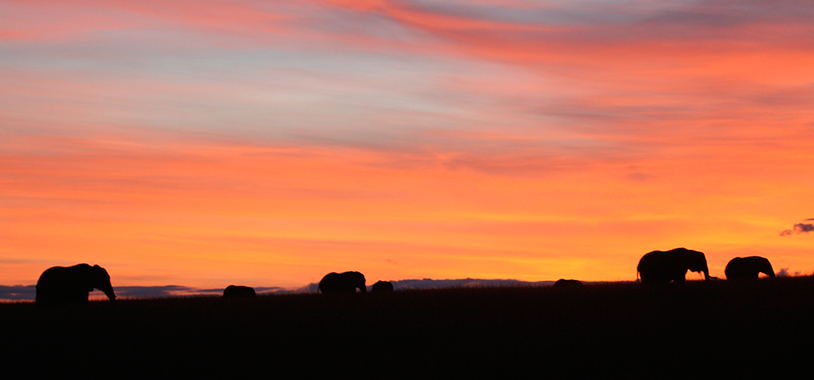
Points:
(18, 293)
(428, 283)
(784, 272)
(29, 292)
(462, 283)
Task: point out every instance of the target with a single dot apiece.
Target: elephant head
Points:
(347, 282)
(72, 285)
(748, 268)
(382, 286)
(672, 265)
(239, 291)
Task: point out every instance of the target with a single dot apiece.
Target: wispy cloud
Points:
(799, 228)
(803, 227)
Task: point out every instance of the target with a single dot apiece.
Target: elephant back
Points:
(239, 291)
(382, 287)
(567, 283)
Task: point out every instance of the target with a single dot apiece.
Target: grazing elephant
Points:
(382, 287)
(238, 291)
(347, 282)
(672, 265)
(563, 283)
(71, 285)
(748, 267)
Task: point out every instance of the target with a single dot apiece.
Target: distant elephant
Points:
(563, 283)
(382, 287)
(71, 285)
(239, 291)
(347, 282)
(748, 267)
(672, 265)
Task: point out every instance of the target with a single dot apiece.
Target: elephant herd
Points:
(72, 285)
(348, 282)
(672, 265)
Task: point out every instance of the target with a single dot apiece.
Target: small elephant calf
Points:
(382, 287)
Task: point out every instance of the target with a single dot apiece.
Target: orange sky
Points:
(233, 142)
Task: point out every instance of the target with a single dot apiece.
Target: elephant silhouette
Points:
(72, 285)
(563, 283)
(750, 267)
(382, 287)
(338, 283)
(239, 291)
(672, 265)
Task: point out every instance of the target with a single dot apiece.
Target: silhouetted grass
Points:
(626, 330)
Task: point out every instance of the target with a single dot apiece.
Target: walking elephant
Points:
(239, 291)
(347, 282)
(748, 268)
(672, 265)
(382, 287)
(72, 285)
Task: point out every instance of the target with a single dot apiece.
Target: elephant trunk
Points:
(110, 295)
(769, 270)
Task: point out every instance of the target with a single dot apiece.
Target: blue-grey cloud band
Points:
(29, 292)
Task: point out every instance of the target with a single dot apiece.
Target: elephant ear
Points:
(89, 277)
(100, 275)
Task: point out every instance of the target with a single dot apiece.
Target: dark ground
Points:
(623, 330)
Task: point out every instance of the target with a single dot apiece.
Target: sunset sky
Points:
(266, 143)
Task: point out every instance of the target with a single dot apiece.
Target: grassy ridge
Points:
(627, 330)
